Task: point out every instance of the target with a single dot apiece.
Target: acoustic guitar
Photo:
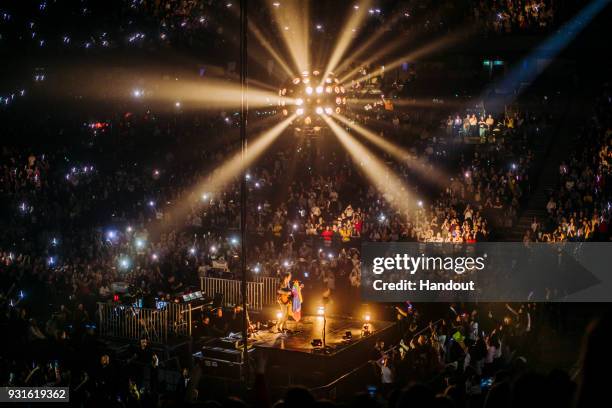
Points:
(284, 296)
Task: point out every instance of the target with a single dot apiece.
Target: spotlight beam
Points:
(268, 47)
(375, 57)
(149, 87)
(292, 23)
(367, 44)
(387, 49)
(393, 188)
(549, 48)
(232, 168)
(346, 37)
(399, 153)
(418, 53)
(209, 94)
(415, 103)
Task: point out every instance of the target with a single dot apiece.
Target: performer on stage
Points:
(284, 302)
(296, 294)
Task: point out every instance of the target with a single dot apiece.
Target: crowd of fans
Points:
(505, 17)
(134, 26)
(95, 222)
(94, 207)
(201, 23)
(579, 208)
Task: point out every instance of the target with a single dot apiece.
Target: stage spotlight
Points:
(321, 310)
(308, 94)
(279, 315)
(367, 317)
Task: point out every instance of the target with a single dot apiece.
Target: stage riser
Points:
(288, 367)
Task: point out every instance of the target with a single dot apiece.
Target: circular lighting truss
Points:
(310, 96)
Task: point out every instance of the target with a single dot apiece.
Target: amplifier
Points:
(231, 355)
(229, 366)
(230, 343)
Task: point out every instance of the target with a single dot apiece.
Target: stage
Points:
(311, 327)
(293, 360)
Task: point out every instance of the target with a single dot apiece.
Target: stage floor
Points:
(292, 360)
(311, 327)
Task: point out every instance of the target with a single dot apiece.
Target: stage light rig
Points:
(309, 97)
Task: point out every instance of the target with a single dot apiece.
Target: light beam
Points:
(231, 169)
(347, 34)
(374, 57)
(268, 47)
(158, 88)
(393, 189)
(367, 44)
(402, 155)
(208, 94)
(293, 25)
(418, 53)
(546, 52)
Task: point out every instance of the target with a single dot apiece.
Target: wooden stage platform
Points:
(293, 360)
(311, 327)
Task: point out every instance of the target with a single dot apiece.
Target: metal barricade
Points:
(179, 319)
(232, 292)
(270, 287)
(133, 323)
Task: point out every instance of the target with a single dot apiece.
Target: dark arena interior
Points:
(178, 176)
